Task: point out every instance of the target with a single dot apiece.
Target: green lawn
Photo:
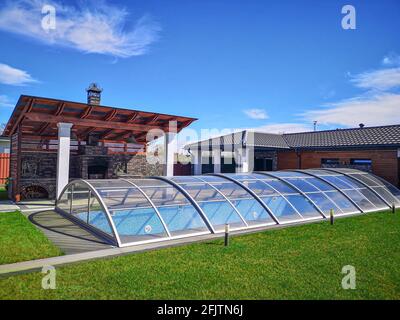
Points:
(302, 262)
(20, 240)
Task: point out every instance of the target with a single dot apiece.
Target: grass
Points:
(3, 194)
(20, 240)
(303, 262)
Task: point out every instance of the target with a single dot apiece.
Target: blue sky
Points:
(270, 65)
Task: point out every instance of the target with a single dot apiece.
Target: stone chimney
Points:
(94, 94)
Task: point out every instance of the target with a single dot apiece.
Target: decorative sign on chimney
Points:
(94, 94)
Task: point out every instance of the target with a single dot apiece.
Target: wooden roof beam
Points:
(111, 115)
(86, 113)
(60, 109)
(28, 107)
(133, 116)
(106, 134)
(39, 117)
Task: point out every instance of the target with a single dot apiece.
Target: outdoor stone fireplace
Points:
(90, 162)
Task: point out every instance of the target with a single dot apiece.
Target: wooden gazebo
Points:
(38, 126)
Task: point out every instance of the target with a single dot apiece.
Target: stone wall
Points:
(38, 170)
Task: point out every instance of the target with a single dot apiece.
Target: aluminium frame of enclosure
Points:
(333, 172)
(115, 238)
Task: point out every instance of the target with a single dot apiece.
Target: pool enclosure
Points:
(135, 211)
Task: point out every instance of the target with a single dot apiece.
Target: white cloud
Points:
(391, 59)
(100, 28)
(281, 128)
(258, 114)
(379, 79)
(376, 109)
(5, 102)
(13, 76)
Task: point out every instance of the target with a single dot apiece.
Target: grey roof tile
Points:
(367, 136)
(355, 137)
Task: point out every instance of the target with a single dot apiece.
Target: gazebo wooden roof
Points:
(38, 117)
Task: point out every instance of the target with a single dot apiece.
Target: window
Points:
(361, 161)
(330, 161)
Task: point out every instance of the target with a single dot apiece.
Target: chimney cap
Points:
(361, 125)
(94, 87)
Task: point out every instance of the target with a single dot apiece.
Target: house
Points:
(371, 149)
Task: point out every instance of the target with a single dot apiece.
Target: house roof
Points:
(241, 138)
(39, 116)
(381, 136)
(355, 137)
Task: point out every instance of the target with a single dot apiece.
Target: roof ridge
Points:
(341, 129)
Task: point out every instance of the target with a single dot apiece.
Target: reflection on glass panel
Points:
(184, 179)
(373, 198)
(80, 199)
(220, 213)
(97, 217)
(320, 184)
(302, 185)
(241, 176)
(352, 182)
(202, 192)
(182, 220)
(343, 203)
(165, 195)
(282, 187)
(149, 182)
(114, 183)
(287, 174)
(213, 179)
(338, 183)
(64, 203)
(324, 203)
(260, 188)
(281, 208)
(252, 211)
(385, 194)
(364, 178)
(358, 198)
(86, 207)
(123, 198)
(232, 190)
(304, 206)
(138, 225)
(393, 190)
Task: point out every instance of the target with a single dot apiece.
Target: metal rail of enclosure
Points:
(130, 211)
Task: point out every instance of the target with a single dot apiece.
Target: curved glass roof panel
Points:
(315, 189)
(251, 211)
(132, 211)
(176, 211)
(216, 207)
(358, 193)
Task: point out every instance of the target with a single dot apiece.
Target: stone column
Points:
(170, 148)
(64, 146)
